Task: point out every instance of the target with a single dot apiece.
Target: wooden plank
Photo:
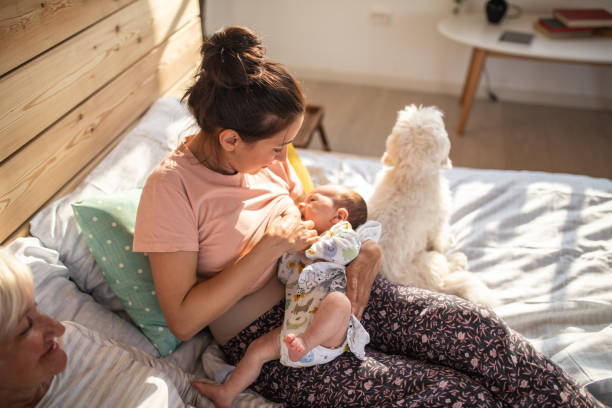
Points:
(41, 168)
(24, 229)
(180, 87)
(176, 91)
(40, 92)
(24, 25)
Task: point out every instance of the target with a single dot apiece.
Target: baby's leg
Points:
(259, 352)
(328, 327)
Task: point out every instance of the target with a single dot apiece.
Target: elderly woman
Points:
(30, 355)
(46, 363)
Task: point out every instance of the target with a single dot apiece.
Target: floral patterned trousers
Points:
(426, 350)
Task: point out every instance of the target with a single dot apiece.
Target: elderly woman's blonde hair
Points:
(16, 290)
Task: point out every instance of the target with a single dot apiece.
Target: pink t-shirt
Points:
(185, 206)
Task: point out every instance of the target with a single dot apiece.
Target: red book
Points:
(553, 28)
(584, 17)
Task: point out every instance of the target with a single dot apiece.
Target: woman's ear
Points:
(341, 214)
(229, 139)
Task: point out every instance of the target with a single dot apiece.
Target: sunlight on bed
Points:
(540, 241)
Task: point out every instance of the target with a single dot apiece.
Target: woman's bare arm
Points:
(360, 275)
(189, 306)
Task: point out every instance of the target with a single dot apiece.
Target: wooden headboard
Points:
(74, 77)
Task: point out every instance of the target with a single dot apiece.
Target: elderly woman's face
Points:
(30, 355)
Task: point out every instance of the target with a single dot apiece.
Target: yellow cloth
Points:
(300, 169)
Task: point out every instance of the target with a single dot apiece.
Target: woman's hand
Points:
(289, 233)
(360, 275)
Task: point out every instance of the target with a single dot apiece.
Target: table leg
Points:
(470, 86)
(467, 76)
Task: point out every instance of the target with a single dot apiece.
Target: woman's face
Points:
(30, 354)
(251, 158)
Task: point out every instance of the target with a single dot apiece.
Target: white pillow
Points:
(58, 296)
(52, 282)
(126, 167)
(103, 372)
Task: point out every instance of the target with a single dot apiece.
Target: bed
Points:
(542, 242)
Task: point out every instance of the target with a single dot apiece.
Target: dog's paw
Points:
(442, 242)
(457, 261)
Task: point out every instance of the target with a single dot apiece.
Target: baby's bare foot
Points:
(295, 347)
(215, 393)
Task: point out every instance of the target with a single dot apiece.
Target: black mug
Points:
(496, 9)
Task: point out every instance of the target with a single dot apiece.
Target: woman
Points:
(45, 363)
(216, 215)
(29, 354)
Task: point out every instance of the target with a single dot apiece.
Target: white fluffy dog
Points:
(411, 200)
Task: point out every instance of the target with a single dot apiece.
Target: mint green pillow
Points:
(107, 224)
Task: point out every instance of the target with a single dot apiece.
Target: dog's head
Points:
(418, 142)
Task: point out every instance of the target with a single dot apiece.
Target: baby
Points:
(318, 324)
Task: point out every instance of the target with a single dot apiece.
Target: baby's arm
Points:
(340, 244)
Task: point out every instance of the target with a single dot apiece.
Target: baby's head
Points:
(330, 204)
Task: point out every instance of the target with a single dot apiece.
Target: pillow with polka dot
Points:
(107, 224)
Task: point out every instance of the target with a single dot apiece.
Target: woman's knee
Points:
(405, 302)
(398, 314)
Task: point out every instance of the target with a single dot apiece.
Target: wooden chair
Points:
(313, 122)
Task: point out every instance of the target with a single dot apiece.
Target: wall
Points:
(339, 40)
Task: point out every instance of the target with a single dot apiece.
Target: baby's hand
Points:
(305, 236)
(290, 233)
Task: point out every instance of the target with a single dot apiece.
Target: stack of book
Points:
(582, 22)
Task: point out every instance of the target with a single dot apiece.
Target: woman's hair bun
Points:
(238, 88)
(233, 56)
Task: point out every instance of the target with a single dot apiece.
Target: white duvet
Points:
(542, 242)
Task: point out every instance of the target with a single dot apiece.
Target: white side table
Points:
(475, 31)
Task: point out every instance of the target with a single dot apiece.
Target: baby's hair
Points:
(355, 205)
(238, 88)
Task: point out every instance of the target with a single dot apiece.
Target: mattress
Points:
(542, 242)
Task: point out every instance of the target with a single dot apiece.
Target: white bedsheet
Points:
(542, 242)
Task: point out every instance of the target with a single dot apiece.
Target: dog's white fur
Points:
(411, 200)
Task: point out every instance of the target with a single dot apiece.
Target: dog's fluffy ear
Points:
(387, 160)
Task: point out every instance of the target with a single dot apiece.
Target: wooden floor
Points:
(499, 135)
